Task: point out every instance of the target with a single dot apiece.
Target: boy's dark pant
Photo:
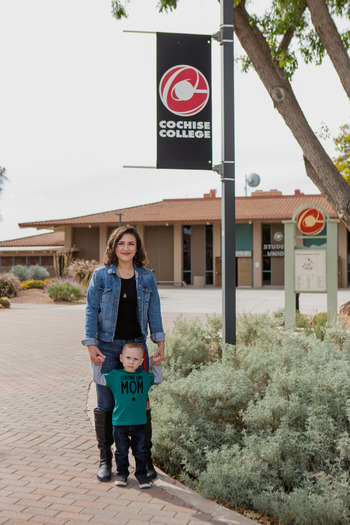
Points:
(122, 442)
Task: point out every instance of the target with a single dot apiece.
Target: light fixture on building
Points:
(252, 180)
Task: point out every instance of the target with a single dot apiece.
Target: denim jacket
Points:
(102, 303)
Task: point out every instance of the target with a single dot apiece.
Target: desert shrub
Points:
(64, 291)
(21, 271)
(25, 273)
(5, 302)
(81, 271)
(310, 324)
(38, 273)
(26, 285)
(10, 285)
(190, 345)
(268, 428)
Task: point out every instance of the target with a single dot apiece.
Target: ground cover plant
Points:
(64, 290)
(5, 302)
(265, 426)
(35, 283)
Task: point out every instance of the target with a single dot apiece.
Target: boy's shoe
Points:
(144, 483)
(121, 481)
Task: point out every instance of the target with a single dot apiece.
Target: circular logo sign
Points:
(278, 236)
(310, 221)
(184, 90)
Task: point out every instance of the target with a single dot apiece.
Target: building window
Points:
(186, 254)
(209, 254)
(47, 260)
(267, 266)
(33, 259)
(6, 262)
(20, 260)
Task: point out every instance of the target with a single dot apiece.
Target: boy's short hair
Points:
(134, 345)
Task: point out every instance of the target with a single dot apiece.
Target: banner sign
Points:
(184, 120)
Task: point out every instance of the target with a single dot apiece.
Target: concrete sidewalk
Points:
(48, 452)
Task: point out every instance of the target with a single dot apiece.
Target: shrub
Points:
(204, 344)
(21, 271)
(268, 428)
(64, 291)
(25, 273)
(26, 285)
(82, 271)
(10, 285)
(5, 302)
(38, 273)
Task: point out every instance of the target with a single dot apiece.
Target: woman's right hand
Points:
(96, 356)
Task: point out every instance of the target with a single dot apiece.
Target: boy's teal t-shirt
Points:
(130, 390)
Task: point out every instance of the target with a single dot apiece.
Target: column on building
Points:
(257, 254)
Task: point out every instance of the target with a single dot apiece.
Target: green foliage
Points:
(82, 271)
(21, 271)
(38, 272)
(268, 427)
(33, 283)
(315, 325)
(342, 144)
(5, 302)
(10, 285)
(119, 7)
(204, 344)
(2, 177)
(64, 291)
(25, 273)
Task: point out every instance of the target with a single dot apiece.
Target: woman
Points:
(122, 302)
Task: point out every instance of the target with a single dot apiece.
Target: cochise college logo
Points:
(184, 90)
(310, 221)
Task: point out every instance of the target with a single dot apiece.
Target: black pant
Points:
(124, 436)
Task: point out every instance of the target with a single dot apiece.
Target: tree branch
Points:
(324, 174)
(331, 40)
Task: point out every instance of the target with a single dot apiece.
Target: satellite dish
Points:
(252, 180)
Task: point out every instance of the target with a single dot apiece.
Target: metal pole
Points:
(228, 178)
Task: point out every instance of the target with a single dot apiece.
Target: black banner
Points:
(184, 123)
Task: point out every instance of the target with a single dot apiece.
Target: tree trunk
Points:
(324, 174)
(330, 38)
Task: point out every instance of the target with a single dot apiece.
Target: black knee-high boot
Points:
(151, 471)
(104, 434)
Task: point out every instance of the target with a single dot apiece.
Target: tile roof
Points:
(262, 206)
(45, 239)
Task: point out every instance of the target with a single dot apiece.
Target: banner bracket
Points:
(218, 168)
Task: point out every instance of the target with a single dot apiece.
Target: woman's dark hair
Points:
(140, 258)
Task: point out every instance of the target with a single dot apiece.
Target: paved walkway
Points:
(48, 453)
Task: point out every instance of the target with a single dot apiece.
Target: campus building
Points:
(183, 238)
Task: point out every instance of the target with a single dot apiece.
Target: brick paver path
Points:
(48, 452)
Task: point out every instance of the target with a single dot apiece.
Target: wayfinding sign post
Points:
(310, 267)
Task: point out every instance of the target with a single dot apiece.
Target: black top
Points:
(127, 324)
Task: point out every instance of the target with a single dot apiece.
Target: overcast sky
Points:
(77, 102)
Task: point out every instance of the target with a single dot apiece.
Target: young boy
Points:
(130, 389)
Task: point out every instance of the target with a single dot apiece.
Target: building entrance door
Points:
(244, 271)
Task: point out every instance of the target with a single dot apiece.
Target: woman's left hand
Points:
(158, 356)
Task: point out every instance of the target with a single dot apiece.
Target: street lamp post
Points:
(228, 177)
